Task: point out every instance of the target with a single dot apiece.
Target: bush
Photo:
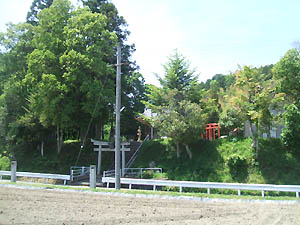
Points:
(291, 131)
(4, 163)
(238, 167)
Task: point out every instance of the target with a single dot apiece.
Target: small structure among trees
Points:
(210, 131)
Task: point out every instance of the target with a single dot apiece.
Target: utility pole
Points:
(118, 106)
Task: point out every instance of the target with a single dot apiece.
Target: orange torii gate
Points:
(210, 131)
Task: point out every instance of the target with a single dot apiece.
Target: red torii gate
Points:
(210, 131)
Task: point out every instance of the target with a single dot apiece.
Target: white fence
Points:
(133, 172)
(38, 175)
(208, 185)
(79, 171)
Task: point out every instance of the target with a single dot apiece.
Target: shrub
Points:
(4, 163)
(238, 167)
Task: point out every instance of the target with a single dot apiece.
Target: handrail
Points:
(208, 185)
(133, 157)
(131, 171)
(78, 171)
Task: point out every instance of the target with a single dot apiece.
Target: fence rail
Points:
(38, 175)
(79, 171)
(208, 185)
(132, 172)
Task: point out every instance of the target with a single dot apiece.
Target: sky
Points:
(215, 36)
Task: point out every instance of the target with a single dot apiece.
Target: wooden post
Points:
(13, 176)
(92, 176)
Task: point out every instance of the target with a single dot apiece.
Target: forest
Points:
(57, 73)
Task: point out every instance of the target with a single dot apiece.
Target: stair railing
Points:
(133, 157)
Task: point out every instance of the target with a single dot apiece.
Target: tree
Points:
(67, 73)
(287, 73)
(183, 120)
(180, 113)
(291, 131)
(36, 7)
(16, 44)
(132, 82)
(178, 76)
(253, 95)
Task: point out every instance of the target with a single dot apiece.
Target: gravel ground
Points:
(43, 206)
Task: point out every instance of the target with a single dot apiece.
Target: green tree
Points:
(291, 130)
(183, 120)
(67, 73)
(287, 73)
(254, 97)
(35, 8)
(178, 75)
(132, 82)
(58, 74)
(180, 112)
(16, 44)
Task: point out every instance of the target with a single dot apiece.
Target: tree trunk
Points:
(112, 131)
(42, 148)
(188, 151)
(59, 138)
(254, 136)
(177, 150)
(101, 130)
(97, 132)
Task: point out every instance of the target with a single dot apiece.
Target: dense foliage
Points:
(58, 77)
(57, 83)
(229, 160)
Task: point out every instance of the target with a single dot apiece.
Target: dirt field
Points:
(27, 206)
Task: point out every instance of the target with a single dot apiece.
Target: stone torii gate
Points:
(103, 146)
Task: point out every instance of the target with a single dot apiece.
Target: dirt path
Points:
(27, 206)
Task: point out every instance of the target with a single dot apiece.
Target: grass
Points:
(229, 160)
(161, 193)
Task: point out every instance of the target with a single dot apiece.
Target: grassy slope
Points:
(225, 160)
(53, 163)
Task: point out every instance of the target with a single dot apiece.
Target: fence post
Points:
(13, 176)
(92, 176)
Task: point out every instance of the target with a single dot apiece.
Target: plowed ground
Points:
(28, 206)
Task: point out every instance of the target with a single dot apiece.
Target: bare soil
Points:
(29, 206)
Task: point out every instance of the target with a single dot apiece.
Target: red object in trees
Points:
(210, 131)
